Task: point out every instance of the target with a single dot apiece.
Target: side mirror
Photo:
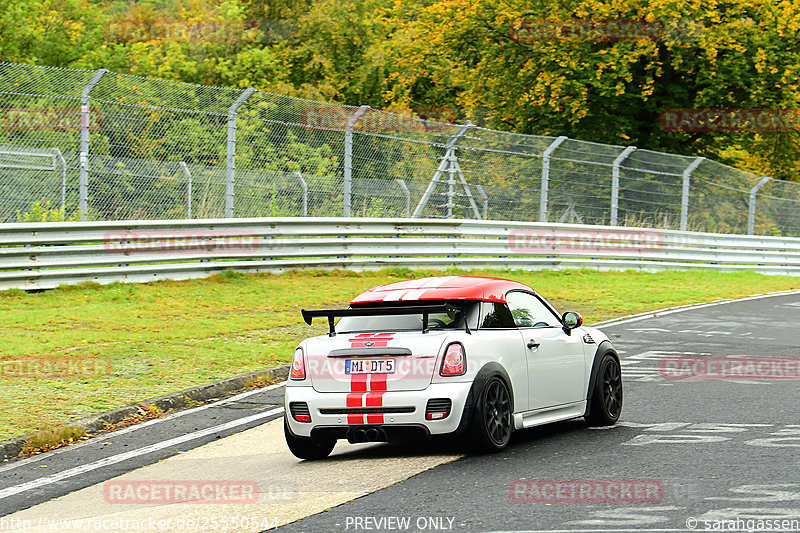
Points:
(571, 320)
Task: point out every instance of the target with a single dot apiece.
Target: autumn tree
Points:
(562, 68)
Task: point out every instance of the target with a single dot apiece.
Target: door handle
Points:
(533, 344)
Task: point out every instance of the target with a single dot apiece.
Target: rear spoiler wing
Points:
(424, 310)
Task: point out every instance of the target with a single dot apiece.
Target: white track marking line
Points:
(110, 435)
(671, 310)
(114, 459)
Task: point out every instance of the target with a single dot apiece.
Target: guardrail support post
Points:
(83, 182)
(687, 176)
(751, 212)
(615, 183)
(230, 166)
(348, 158)
(407, 193)
(304, 185)
(546, 177)
(188, 174)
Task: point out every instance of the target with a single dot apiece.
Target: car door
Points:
(498, 336)
(555, 358)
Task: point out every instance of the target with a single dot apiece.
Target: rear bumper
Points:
(367, 411)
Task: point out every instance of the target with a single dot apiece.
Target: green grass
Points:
(166, 336)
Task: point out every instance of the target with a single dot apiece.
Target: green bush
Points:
(40, 211)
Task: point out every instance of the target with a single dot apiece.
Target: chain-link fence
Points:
(108, 146)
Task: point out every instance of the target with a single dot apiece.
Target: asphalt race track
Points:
(704, 443)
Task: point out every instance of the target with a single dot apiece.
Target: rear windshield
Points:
(452, 320)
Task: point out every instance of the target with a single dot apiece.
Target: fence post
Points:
(304, 185)
(60, 158)
(188, 174)
(407, 194)
(615, 183)
(687, 176)
(546, 177)
(83, 181)
(231, 150)
(751, 212)
(348, 158)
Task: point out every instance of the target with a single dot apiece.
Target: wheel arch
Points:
(487, 371)
(605, 348)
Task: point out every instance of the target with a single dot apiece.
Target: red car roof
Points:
(442, 288)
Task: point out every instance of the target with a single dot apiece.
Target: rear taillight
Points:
(298, 365)
(454, 362)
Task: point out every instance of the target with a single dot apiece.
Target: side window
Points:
(496, 316)
(529, 312)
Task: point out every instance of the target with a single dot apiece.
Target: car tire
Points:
(305, 448)
(606, 400)
(491, 424)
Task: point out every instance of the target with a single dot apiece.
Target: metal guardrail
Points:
(45, 255)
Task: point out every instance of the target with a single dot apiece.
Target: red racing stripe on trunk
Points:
(374, 399)
(378, 382)
(358, 382)
(358, 386)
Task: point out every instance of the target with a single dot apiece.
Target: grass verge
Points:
(79, 350)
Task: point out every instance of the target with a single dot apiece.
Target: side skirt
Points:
(551, 414)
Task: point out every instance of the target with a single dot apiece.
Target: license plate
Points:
(369, 366)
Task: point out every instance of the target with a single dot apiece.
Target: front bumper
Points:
(366, 412)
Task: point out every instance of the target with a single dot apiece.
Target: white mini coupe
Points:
(454, 355)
